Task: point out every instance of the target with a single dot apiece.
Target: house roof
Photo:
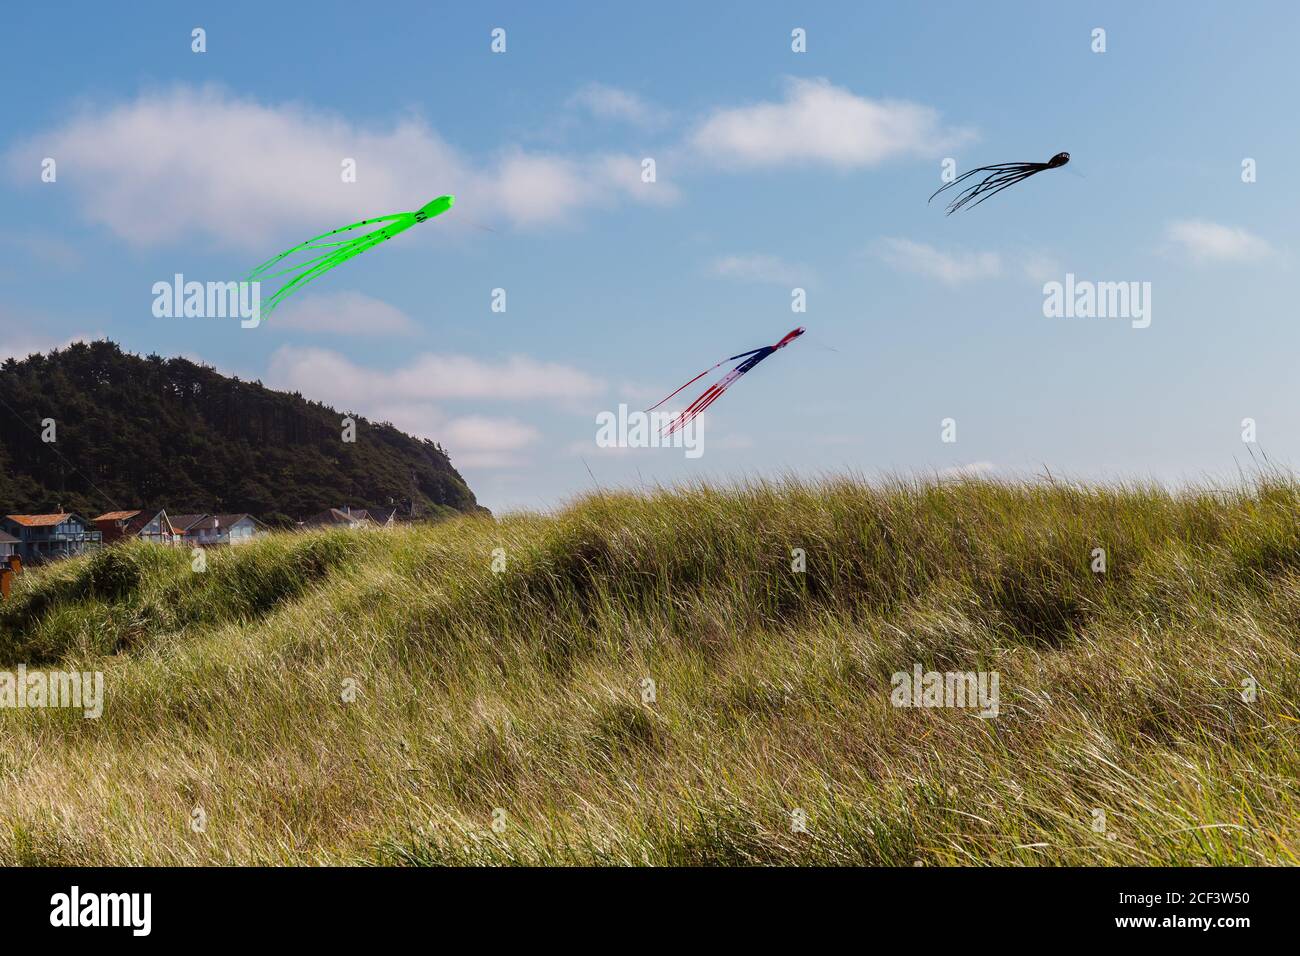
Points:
(142, 520)
(186, 522)
(226, 521)
(41, 521)
(337, 516)
(134, 522)
(6, 538)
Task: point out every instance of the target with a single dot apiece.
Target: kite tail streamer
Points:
(711, 395)
(996, 178)
(335, 252)
(321, 264)
(316, 243)
(715, 391)
(700, 376)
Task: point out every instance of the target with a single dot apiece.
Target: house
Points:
(237, 528)
(7, 544)
(49, 536)
(117, 526)
(384, 519)
(344, 517)
(197, 530)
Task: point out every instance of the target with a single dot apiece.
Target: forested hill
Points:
(136, 432)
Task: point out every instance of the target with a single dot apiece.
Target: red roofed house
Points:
(117, 526)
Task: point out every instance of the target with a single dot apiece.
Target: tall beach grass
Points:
(647, 679)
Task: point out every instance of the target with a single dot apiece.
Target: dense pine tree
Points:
(152, 432)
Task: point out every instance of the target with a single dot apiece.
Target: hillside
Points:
(1124, 732)
(135, 432)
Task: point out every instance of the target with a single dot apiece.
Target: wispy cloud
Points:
(344, 313)
(611, 103)
(331, 376)
(478, 441)
(949, 267)
(473, 441)
(819, 123)
(408, 396)
(17, 342)
(189, 161)
(1040, 267)
(758, 268)
(1206, 241)
(192, 161)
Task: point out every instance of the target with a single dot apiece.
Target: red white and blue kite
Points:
(714, 392)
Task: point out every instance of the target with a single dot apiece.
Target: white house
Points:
(196, 529)
(344, 517)
(237, 529)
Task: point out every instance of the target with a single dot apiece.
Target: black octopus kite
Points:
(997, 178)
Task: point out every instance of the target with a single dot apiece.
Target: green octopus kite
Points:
(340, 251)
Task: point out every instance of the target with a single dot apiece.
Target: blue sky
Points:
(775, 169)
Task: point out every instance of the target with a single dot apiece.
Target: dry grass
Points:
(522, 691)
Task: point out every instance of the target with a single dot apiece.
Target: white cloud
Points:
(487, 459)
(19, 344)
(612, 103)
(818, 122)
(347, 313)
(491, 434)
(517, 377)
(473, 441)
(1211, 242)
(1039, 267)
(538, 188)
(170, 164)
(482, 442)
(949, 267)
(758, 268)
(404, 398)
(330, 376)
(188, 161)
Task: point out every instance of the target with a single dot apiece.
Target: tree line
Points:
(92, 429)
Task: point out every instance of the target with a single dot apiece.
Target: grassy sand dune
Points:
(520, 696)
